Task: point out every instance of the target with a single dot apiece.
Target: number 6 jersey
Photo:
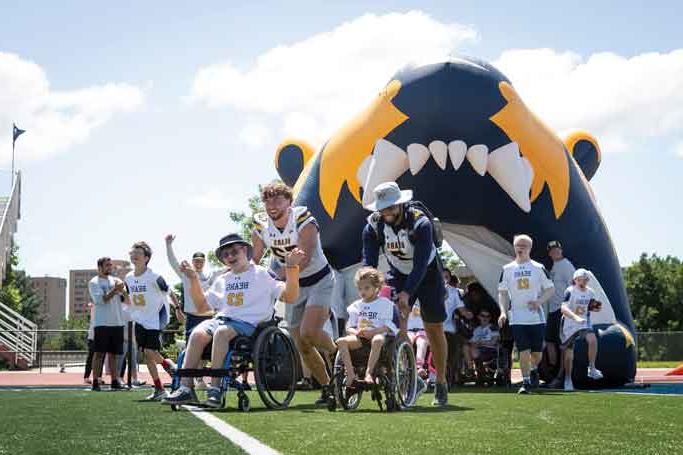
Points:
(281, 242)
(248, 296)
(523, 283)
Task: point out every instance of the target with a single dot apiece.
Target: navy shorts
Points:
(193, 321)
(431, 292)
(147, 338)
(552, 327)
(528, 337)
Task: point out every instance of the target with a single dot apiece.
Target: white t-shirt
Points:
(523, 283)
(248, 296)
(453, 302)
(415, 318)
(108, 313)
(577, 300)
(375, 314)
(149, 299)
(562, 274)
(486, 335)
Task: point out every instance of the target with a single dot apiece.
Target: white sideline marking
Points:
(250, 445)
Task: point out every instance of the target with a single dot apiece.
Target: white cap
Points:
(388, 194)
(582, 273)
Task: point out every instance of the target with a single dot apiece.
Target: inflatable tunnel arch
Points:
(458, 134)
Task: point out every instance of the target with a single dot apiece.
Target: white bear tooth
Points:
(513, 173)
(456, 152)
(439, 151)
(478, 156)
(388, 163)
(418, 155)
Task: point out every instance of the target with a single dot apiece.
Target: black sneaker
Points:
(525, 389)
(116, 385)
(440, 396)
(535, 379)
(324, 394)
(96, 386)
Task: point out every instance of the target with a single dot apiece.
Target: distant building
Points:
(78, 286)
(78, 291)
(52, 294)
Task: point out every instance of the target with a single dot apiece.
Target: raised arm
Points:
(259, 248)
(195, 290)
(170, 254)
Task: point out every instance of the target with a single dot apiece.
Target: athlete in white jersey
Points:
(579, 302)
(523, 290)
(242, 298)
(281, 229)
(147, 297)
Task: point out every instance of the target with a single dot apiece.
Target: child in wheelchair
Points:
(370, 322)
(242, 297)
(418, 337)
(484, 346)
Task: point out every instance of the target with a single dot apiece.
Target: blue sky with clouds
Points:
(151, 117)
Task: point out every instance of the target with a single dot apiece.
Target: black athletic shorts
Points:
(108, 340)
(431, 292)
(552, 327)
(147, 339)
(528, 337)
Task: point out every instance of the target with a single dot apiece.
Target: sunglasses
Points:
(231, 252)
(485, 316)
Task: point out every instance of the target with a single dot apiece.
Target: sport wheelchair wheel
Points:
(405, 374)
(347, 402)
(275, 367)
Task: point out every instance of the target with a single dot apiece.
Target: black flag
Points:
(16, 132)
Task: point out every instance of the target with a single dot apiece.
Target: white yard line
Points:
(247, 443)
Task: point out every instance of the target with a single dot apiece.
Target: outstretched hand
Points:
(187, 269)
(295, 257)
(169, 238)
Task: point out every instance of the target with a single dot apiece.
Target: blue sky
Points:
(145, 146)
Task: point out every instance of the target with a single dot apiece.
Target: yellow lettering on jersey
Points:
(139, 300)
(364, 324)
(579, 311)
(523, 283)
(235, 299)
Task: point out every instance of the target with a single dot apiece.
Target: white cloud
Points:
(254, 135)
(212, 198)
(313, 86)
(54, 120)
(308, 89)
(622, 101)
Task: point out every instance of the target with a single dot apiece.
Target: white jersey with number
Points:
(523, 283)
(280, 242)
(148, 299)
(372, 315)
(577, 300)
(248, 296)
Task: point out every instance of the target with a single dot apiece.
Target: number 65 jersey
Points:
(248, 296)
(281, 242)
(149, 299)
(523, 283)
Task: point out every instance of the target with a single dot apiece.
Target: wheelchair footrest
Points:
(202, 372)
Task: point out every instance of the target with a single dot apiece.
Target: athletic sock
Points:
(157, 384)
(167, 364)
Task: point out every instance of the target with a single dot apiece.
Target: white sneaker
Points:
(200, 384)
(568, 385)
(594, 373)
(421, 388)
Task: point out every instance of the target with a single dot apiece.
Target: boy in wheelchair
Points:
(370, 321)
(242, 297)
(484, 347)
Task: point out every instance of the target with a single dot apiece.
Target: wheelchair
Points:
(269, 354)
(395, 384)
(492, 368)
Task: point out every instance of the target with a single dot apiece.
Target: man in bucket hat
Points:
(405, 234)
(241, 297)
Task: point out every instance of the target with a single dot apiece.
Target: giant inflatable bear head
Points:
(458, 135)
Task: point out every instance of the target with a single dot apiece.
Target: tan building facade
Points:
(52, 294)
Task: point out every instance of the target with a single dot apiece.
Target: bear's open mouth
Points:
(513, 173)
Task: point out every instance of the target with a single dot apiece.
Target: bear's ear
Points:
(291, 158)
(585, 150)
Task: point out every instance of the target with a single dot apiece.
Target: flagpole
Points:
(12, 185)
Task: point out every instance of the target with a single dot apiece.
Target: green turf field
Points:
(73, 422)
